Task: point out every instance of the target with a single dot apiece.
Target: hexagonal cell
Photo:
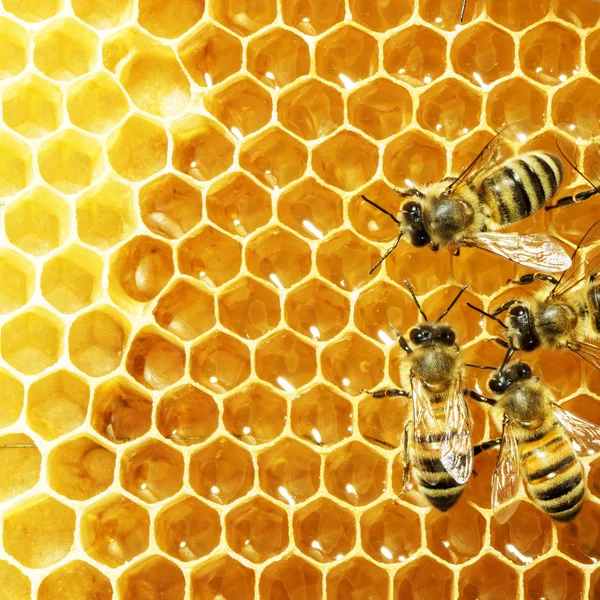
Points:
(101, 92)
(105, 214)
(515, 100)
(221, 472)
(381, 16)
(257, 529)
(80, 578)
(168, 19)
(516, 16)
(16, 281)
(186, 310)
(210, 54)
(155, 361)
(578, 539)
(245, 17)
(222, 577)
(32, 106)
(577, 12)
(14, 583)
(565, 109)
(12, 395)
(285, 361)
(416, 55)
(346, 56)
(106, 15)
(124, 43)
(20, 467)
(278, 57)
(353, 364)
(414, 158)
(312, 17)
(483, 54)
(16, 168)
(237, 204)
(38, 532)
(423, 579)
(488, 577)
(152, 471)
(320, 416)
(274, 157)
(32, 11)
(553, 576)
(120, 411)
(187, 529)
(220, 362)
(355, 473)
(359, 157)
(115, 530)
(138, 148)
(65, 49)
(291, 574)
(357, 578)
(14, 43)
(202, 147)
(155, 577)
(592, 52)
(381, 421)
(57, 404)
(255, 415)
(289, 471)
(97, 341)
(242, 106)
(187, 415)
(32, 341)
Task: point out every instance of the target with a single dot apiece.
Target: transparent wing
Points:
(585, 436)
(536, 251)
(457, 446)
(506, 477)
(588, 351)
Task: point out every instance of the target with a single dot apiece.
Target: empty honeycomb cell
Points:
(96, 103)
(186, 310)
(187, 529)
(545, 363)
(578, 539)
(517, 16)
(80, 578)
(577, 103)
(20, 467)
(114, 530)
(274, 157)
(289, 471)
(577, 12)
(32, 106)
(446, 15)
(554, 577)
(104, 15)
(310, 208)
(152, 471)
(381, 421)
(355, 473)
(316, 310)
(255, 414)
(285, 361)
(97, 341)
(38, 532)
(278, 57)
(312, 17)
(293, 577)
(592, 53)
(381, 15)
(32, 11)
(345, 260)
(14, 45)
(202, 148)
(515, 100)
(16, 281)
(357, 578)
(483, 54)
(152, 577)
(57, 404)
(416, 55)
(321, 416)
(353, 364)
(210, 54)
(15, 584)
(220, 362)
(482, 281)
(32, 341)
(138, 148)
(12, 395)
(257, 529)
(223, 577)
(279, 257)
(168, 19)
(244, 17)
(221, 472)
(65, 49)
(16, 167)
(413, 158)
(423, 579)
(347, 160)
(489, 577)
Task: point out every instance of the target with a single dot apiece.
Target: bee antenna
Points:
(390, 250)
(480, 366)
(452, 304)
(508, 356)
(462, 12)
(485, 314)
(414, 297)
(380, 208)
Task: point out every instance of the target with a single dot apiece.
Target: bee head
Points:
(502, 379)
(411, 217)
(432, 332)
(521, 326)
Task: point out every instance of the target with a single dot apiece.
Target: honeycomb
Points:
(187, 318)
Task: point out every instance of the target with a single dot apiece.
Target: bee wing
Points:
(506, 477)
(457, 447)
(585, 436)
(536, 251)
(587, 351)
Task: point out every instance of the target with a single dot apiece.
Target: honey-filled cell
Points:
(13, 48)
(152, 576)
(422, 579)
(20, 468)
(294, 574)
(16, 168)
(80, 578)
(222, 576)
(12, 396)
(106, 15)
(312, 17)
(168, 19)
(14, 583)
(357, 578)
(17, 276)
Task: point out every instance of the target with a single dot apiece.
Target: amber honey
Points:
(187, 317)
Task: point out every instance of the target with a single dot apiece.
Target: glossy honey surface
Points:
(187, 318)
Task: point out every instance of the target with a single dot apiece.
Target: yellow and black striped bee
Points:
(540, 440)
(487, 196)
(437, 440)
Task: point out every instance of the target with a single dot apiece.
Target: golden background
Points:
(186, 314)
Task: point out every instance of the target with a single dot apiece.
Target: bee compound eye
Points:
(415, 336)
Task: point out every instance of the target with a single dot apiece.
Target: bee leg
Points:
(406, 461)
(457, 252)
(387, 393)
(498, 341)
(531, 277)
(486, 446)
(504, 307)
(576, 199)
(409, 192)
(479, 397)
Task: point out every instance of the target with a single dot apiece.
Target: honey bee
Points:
(437, 441)
(541, 440)
(488, 195)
